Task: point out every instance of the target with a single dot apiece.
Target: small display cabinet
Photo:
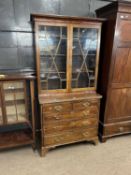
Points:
(67, 57)
(17, 122)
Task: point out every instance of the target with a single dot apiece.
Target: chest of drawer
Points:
(57, 107)
(85, 105)
(54, 127)
(118, 128)
(90, 111)
(70, 137)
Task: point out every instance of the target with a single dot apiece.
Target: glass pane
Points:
(12, 85)
(15, 102)
(21, 112)
(11, 114)
(84, 57)
(18, 96)
(53, 48)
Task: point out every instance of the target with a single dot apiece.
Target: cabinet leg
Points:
(33, 146)
(96, 141)
(44, 151)
(102, 139)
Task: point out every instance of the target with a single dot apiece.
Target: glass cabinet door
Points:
(53, 52)
(15, 102)
(84, 55)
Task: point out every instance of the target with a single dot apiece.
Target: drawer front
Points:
(91, 111)
(70, 136)
(57, 107)
(85, 105)
(118, 129)
(51, 127)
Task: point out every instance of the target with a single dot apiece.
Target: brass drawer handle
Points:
(121, 129)
(58, 108)
(68, 135)
(86, 123)
(86, 104)
(58, 139)
(11, 87)
(73, 124)
(85, 134)
(57, 118)
(55, 127)
(2, 76)
(85, 113)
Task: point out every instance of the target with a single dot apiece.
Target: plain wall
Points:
(16, 36)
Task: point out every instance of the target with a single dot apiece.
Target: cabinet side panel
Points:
(105, 58)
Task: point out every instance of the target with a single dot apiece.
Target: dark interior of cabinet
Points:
(84, 57)
(15, 138)
(53, 53)
(53, 46)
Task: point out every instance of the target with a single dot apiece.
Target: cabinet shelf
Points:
(13, 90)
(51, 72)
(76, 72)
(80, 55)
(83, 38)
(75, 79)
(12, 102)
(54, 55)
(26, 122)
(15, 138)
(44, 36)
(46, 81)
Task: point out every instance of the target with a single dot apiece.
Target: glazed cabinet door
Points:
(51, 56)
(85, 56)
(15, 102)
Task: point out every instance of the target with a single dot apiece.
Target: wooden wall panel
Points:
(119, 106)
(122, 68)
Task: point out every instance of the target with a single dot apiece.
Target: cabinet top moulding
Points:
(119, 6)
(6, 77)
(39, 17)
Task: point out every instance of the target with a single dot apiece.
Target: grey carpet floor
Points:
(110, 158)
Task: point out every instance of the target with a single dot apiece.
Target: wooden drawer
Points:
(118, 129)
(51, 127)
(70, 137)
(57, 107)
(91, 111)
(83, 105)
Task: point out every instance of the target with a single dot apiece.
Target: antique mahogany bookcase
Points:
(17, 120)
(115, 70)
(67, 57)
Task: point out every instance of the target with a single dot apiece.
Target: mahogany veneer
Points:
(115, 70)
(67, 56)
